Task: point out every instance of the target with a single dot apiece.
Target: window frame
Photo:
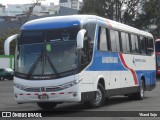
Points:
(115, 40)
(128, 41)
(107, 39)
(136, 53)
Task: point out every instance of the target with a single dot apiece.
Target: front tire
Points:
(47, 105)
(100, 98)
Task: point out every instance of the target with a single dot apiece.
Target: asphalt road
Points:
(151, 102)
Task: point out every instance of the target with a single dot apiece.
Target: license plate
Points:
(43, 97)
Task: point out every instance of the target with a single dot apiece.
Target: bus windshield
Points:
(50, 52)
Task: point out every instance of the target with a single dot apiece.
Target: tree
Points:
(31, 10)
(149, 18)
(132, 8)
(119, 10)
(4, 36)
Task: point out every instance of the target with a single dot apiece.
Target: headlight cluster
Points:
(21, 87)
(70, 84)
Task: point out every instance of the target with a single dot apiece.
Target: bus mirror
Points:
(80, 38)
(7, 44)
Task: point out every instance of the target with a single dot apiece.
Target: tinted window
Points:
(90, 34)
(134, 43)
(125, 42)
(102, 40)
(143, 45)
(150, 46)
(90, 27)
(158, 60)
(65, 34)
(30, 37)
(157, 45)
(114, 38)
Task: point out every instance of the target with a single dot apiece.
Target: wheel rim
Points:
(98, 96)
(142, 90)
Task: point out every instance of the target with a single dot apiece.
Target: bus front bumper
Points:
(72, 94)
(69, 95)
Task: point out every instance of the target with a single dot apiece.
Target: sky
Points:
(4, 2)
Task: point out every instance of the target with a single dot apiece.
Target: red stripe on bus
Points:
(131, 70)
(44, 93)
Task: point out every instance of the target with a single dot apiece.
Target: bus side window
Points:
(143, 45)
(135, 44)
(115, 44)
(150, 46)
(103, 42)
(125, 42)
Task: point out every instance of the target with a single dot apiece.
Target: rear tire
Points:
(140, 94)
(47, 105)
(100, 98)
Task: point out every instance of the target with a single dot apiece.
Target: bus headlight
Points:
(70, 84)
(21, 87)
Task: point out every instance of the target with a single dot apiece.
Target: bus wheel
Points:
(140, 94)
(100, 97)
(47, 105)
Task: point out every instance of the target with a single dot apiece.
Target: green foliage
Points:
(3, 37)
(149, 17)
(141, 14)
(93, 7)
(111, 9)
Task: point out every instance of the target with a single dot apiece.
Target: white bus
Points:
(81, 58)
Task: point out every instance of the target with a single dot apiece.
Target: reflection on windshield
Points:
(26, 57)
(47, 53)
(63, 59)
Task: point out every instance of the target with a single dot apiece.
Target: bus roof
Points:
(75, 20)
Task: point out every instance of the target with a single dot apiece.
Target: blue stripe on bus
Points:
(150, 76)
(97, 64)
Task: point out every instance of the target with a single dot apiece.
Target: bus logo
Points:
(42, 89)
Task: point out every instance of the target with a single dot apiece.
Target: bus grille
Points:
(46, 89)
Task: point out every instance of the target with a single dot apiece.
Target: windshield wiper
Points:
(52, 66)
(32, 69)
